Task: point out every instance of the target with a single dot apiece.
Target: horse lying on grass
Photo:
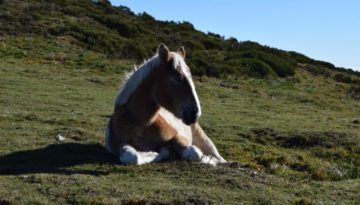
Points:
(156, 114)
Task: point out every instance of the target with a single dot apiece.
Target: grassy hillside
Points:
(296, 138)
(119, 33)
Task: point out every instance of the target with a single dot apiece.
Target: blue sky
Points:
(326, 30)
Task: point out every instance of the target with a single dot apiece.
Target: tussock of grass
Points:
(324, 155)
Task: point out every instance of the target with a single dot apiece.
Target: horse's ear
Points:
(181, 51)
(163, 52)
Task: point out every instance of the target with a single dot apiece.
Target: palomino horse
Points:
(156, 113)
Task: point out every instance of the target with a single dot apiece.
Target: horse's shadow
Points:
(56, 158)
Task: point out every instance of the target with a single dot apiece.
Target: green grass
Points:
(299, 134)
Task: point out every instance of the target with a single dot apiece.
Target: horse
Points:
(156, 113)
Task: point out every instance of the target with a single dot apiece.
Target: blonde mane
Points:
(133, 79)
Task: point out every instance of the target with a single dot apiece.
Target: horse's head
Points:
(174, 89)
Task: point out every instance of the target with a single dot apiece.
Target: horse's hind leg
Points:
(129, 155)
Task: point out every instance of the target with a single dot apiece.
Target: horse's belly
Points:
(183, 130)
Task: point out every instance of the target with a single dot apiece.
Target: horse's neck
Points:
(142, 105)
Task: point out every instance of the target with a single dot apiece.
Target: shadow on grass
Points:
(56, 158)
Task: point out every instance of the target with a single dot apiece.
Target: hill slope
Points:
(296, 138)
(118, 32)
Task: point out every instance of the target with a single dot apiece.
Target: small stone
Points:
(59, 138)
(24, 176)
(253, 173)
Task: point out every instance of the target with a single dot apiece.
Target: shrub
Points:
(342, 78)
(133, 50)
(232, 44)
(214, 71)
(300, 58)
(317, 70)
(120, 25)
(326, 64)
(281, 67)
(252, 67)
(212, 43)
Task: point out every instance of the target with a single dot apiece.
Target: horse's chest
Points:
(176, 123)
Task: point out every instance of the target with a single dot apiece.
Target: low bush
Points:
(317, 70)
(281, 67)
(254, 68)
(342, 78)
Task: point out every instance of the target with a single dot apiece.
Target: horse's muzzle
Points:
(190, 115)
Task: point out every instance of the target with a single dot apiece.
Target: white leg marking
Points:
(193, 153)
(128, 155)
(214, 151)
(207, 159)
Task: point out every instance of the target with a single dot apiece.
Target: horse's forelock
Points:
(179, 62)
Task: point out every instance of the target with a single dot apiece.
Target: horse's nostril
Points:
(195, 110)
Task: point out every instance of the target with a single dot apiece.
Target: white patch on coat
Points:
(207, 159)
(129, 155)
(183, 129)
(193, 153)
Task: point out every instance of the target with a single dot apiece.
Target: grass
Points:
(296, 139)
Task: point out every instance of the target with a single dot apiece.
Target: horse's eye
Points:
(178, 78)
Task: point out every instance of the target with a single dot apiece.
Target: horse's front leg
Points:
(201, 140)
(161, 130)
(191, 152)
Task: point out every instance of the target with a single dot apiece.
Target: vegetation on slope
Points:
(118, 33)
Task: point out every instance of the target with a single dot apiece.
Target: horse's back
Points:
(183, 129)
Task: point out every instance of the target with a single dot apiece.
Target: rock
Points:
(59, 138)
(253, 173)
